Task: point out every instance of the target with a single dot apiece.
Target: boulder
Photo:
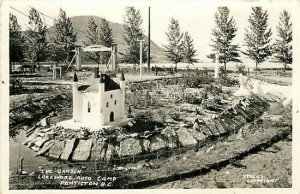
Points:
(110, 152)
(185, 138)
(199, 136)
(240, 110)
(57, 149)
(40, 142)
(287, 102)
(220, 126)
(205, 129)
(99, 146)
(170, 135)
(69, 148)
(145, 145)
(35, 148)
(45, 148)
(157, 143)
(44, 122)
(130, 147)
(83, 150)
(213, 128)
(30, 139)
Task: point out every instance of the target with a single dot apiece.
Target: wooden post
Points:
(141, 57)
(149, 42)
(78, 58)
(53, 73)
(21, 165)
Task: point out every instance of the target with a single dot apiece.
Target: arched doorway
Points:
(111, 117)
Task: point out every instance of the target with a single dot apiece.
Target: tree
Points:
(258, 36)
(64, 40)
(189, 52)
(133, 33)
(105, 38)
(16, 41)
(223, 35)
(93, 37)
(37, 45)
(174, 50)
(283, 46)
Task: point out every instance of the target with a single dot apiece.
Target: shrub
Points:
(241, 69)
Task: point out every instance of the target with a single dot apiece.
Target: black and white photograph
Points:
(141, 95)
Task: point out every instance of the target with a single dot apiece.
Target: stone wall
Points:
(67, 144)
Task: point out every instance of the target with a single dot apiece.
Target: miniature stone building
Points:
(97, 103)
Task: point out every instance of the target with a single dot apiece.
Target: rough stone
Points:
(45, 148)
(30, 139)
(35, 148)
(99, 146)
(145, 145)
(83, 150)
(110, 152)
(199, 136)
(57, 149)
(213, 128)
(130, 147)
(171, 136)
(240, 111)
(40, 142)
(157, 143)
(205, 129)
(185, 138)
(44, 122)
(69, 147)
(220, 126)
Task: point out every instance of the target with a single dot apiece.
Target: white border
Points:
(4, 97)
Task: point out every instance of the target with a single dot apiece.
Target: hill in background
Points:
(80, 23)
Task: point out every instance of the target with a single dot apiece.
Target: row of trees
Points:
(257, 40)
(99, 35)
(36, 44)
(180, 45)
(33, 45)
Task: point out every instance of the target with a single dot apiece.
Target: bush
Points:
(241, 69)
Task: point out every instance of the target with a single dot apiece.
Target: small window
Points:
(107, 104)
(89, 107)
(115, 102)
(111, 96)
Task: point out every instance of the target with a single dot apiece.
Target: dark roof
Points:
(110, 84)
(92, 84)
(122, 76)
(75, 78)
(83, 87)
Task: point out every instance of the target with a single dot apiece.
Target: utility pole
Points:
(149, 39)
(141, 57)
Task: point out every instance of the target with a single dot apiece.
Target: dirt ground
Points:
(273, 164)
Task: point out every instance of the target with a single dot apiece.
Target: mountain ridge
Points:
(80, 26)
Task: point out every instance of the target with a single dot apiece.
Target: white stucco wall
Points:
(112, 107)
(77, 105)
(99, 114)
(91, 118)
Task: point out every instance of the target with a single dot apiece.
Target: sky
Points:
(195, 17)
